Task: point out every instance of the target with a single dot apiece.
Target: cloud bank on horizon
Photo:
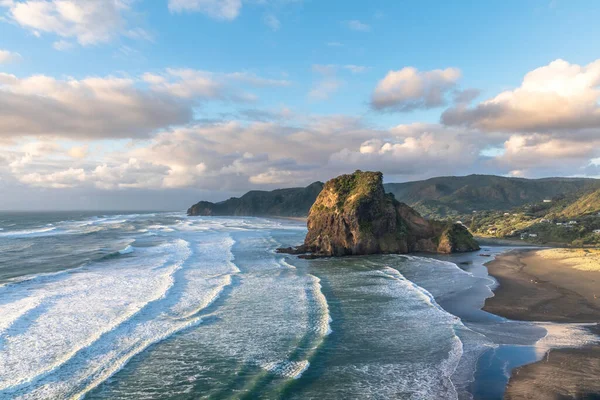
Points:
(104, 103)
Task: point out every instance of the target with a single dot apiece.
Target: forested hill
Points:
(451, 196)
(293, 202)
(434, 198)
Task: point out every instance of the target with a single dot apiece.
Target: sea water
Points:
(161, 305)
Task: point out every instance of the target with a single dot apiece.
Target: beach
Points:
(551, 285)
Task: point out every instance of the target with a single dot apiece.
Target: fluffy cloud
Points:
(409, 89)
(557, 97)
(113, 107)
(87, 108)
(57, 180)
(8, 56)
(540, 154)
(87, 21)
(190, 83)
(416, 150)
(219, 9)
(236, 156)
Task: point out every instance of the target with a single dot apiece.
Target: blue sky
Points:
(210, 98)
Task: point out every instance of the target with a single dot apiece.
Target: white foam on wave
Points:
(287, 369)
(28, 232)
(126, 250)
(13, 311)
(207, 275)
(320, 305)
(448, 366)
(189, 279)
(78, 309)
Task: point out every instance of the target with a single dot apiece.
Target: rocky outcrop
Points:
(354, 216)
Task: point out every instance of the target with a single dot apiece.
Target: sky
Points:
(157, 104)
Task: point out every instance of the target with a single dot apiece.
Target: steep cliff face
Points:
(353, 216)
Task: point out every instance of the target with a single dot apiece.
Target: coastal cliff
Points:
(354, 216)
(293, 202)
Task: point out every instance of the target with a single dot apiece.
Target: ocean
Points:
(165, 306)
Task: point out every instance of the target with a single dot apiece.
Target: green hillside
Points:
(585, 205)
(489, 205)
(569, 219)
(293, 202)
(454, 196)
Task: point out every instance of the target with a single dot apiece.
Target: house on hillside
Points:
(547, 201)
(597, 231)
(572, 222)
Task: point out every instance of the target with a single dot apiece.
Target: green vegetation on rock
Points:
(353, 215)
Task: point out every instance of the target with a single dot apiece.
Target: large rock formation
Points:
(353, 216)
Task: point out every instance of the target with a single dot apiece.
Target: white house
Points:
(547, 201)
(572, 222)
(597, 231)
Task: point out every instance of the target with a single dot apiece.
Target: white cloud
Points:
(557, 97)
(541, 151)
(188, 83)
(62, 45)
(8, 56)
(57, 180)
(272, 22)
(113, 107)
(218, 9)
(409, 89)
(356, 25)
(79, 151)
(87, 21)
(416, 150)
(236, 156)
(87, 108)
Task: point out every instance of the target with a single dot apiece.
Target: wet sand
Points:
(533, 288)
(562, 374)
(537, 286)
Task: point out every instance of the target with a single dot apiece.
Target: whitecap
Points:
(126, 250)
(28, 232)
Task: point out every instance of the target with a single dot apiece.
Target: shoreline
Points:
(532, 287)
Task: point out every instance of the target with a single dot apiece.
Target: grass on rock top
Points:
(357, 184)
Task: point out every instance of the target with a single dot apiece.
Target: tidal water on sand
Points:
(153, 306)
